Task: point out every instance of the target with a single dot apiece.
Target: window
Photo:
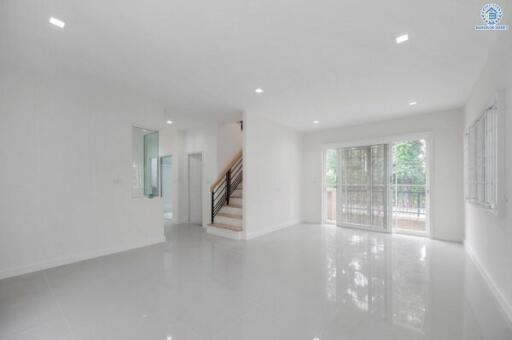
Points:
(144, 163)
(482, 160)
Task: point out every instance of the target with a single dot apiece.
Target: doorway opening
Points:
(409, 186)
(167, 186)
(381, 187)
(195, 179)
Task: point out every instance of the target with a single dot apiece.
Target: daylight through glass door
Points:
(382, 187)
(409, 186)
(363, 187)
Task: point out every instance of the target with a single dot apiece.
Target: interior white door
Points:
(195, 178)
(363, 187)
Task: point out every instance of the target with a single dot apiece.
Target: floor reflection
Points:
(300, 283)
(376, 274)
(408, 287)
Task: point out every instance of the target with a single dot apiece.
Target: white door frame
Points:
(427, 136)
(171, 179)
(188, 184)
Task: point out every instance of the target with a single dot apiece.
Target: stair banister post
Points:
(228, 185)
(213, 204)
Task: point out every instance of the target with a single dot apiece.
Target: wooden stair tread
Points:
(234, 205)
(238, 216)
(226, 226)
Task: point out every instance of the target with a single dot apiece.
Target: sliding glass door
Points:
(381, 187)
(362, 189)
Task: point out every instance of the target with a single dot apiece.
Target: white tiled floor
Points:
(305, 282)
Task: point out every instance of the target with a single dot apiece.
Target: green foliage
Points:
(408, 162)
(331, 166)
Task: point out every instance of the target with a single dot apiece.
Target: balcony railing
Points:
(409, 199)
(408, 203)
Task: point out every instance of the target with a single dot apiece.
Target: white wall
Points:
(447, 191)
(172, 143)
(230, 143)
(201, 140)
(488, 237)
(272, 176)
(65, 174)
(218, 144)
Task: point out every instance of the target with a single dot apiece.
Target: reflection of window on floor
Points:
(331, 266)
(386, 278)
(410, 300)
(364, 274)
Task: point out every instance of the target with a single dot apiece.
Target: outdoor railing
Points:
(408, 200)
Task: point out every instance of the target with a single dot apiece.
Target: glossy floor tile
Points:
(306, 282)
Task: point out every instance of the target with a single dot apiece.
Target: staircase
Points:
(227, 201)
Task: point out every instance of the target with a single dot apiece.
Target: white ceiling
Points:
(335, 61)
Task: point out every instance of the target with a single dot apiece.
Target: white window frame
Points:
(484, 158)
(430, 194)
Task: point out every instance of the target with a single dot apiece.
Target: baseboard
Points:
(231, 234)
(311, 222)
(249, 236)
(500, 297)
(55, 262)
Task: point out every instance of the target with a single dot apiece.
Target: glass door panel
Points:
(379, 187)
(409, 186)
(330, 185)
(166, 186)
(363, 186)
(151, 164)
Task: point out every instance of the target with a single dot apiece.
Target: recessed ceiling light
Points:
(169, 122)
(258, 90)
(316, 122)
(412, 103)
(57, 22)
(402, 38)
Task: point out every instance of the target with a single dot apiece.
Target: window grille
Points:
(482, 160)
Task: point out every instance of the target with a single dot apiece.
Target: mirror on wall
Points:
(144, 163)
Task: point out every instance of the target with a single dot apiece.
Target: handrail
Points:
(226, 184)
(222, 175)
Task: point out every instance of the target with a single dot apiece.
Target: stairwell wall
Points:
(202, 140)
(272, 176)
(229, 143)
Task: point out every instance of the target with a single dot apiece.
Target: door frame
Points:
(162, 182)
(188, 185)
(428, 137)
